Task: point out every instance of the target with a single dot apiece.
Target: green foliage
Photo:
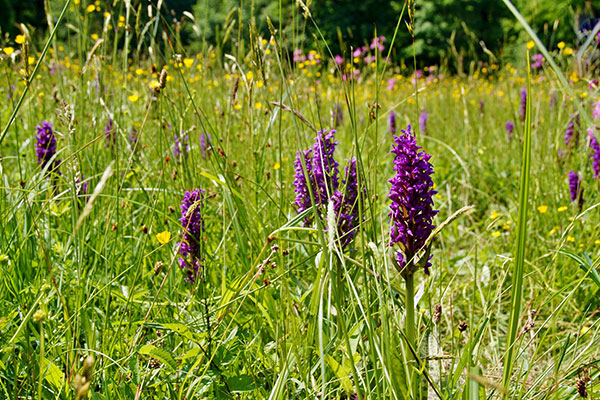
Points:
(556, 20)
(29, 12)
(354, 22)
(455, 28)
(278, 312)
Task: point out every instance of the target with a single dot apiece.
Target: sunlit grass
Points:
(97, 274)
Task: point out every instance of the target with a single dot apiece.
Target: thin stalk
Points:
(409, 324)
(41, 373)
(517, 279)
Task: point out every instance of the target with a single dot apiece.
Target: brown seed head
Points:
(162, 80)
(437, 313)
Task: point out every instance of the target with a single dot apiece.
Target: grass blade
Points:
(517, 279)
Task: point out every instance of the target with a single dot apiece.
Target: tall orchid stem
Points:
(409, 323)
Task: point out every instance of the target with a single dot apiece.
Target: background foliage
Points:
(453, 33)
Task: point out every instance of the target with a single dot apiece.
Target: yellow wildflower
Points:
(562, 208)
(188, 62)
(542, 209)
(8, 50)
(133, 98)
(574, 77)
(20, 39)
(154, 85)
(91, 8)
(163, 237)
(530, 44)
(561, 45)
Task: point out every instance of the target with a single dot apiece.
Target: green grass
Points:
(318, 320)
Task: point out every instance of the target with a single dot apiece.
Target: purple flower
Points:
(81, 187)
(571, 133)
(574, 185)
(538, 61)
(357, 53)
(133, 138)
(339, 60)
(391, 83)
(595, 146)
(411, 215)
(423, 121)
(378, 43)
(337, 115)
(302, 201)
(203, 143)
(346, 205)
(45, 147)
(109, 133)
(596, 110)
(298, 56)
(510, 126)
(324, 167)
(182, 148)
(192, 224)
(322, 179)
(523, 105)
(392, 122)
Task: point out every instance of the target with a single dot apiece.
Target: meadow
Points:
(166, 233)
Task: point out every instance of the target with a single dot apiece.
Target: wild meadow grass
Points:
(94, 301)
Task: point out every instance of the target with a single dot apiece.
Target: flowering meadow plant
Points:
(411, 195)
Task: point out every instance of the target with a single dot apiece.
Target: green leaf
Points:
(519, 266)
(241, 383)
(135, 369)
(182, 330)
(160, 354)
(585, 264)
(341, 371)
(52, 374)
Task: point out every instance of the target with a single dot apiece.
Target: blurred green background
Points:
(447, 32)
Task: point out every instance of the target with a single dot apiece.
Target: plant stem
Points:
(41, 365)
(409, 324)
